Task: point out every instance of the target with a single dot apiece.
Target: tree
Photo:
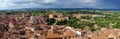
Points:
(85, 17)
(63, 22)
(51, 21)
(73, 22)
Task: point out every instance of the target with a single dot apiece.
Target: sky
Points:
(99, 4)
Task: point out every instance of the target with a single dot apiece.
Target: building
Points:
(90, 15)
(58, 17)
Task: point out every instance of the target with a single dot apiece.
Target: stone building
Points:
(57, 17)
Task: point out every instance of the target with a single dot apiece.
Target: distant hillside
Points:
(64, 9)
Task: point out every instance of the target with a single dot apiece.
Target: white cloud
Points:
(48, 1)
(9, 4)
(88, 1)
(5, 4)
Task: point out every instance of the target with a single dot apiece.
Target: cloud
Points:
(49, 1)
(89, 1)
(15, 4)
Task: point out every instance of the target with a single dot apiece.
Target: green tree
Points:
(51, 21)
(63, 22)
